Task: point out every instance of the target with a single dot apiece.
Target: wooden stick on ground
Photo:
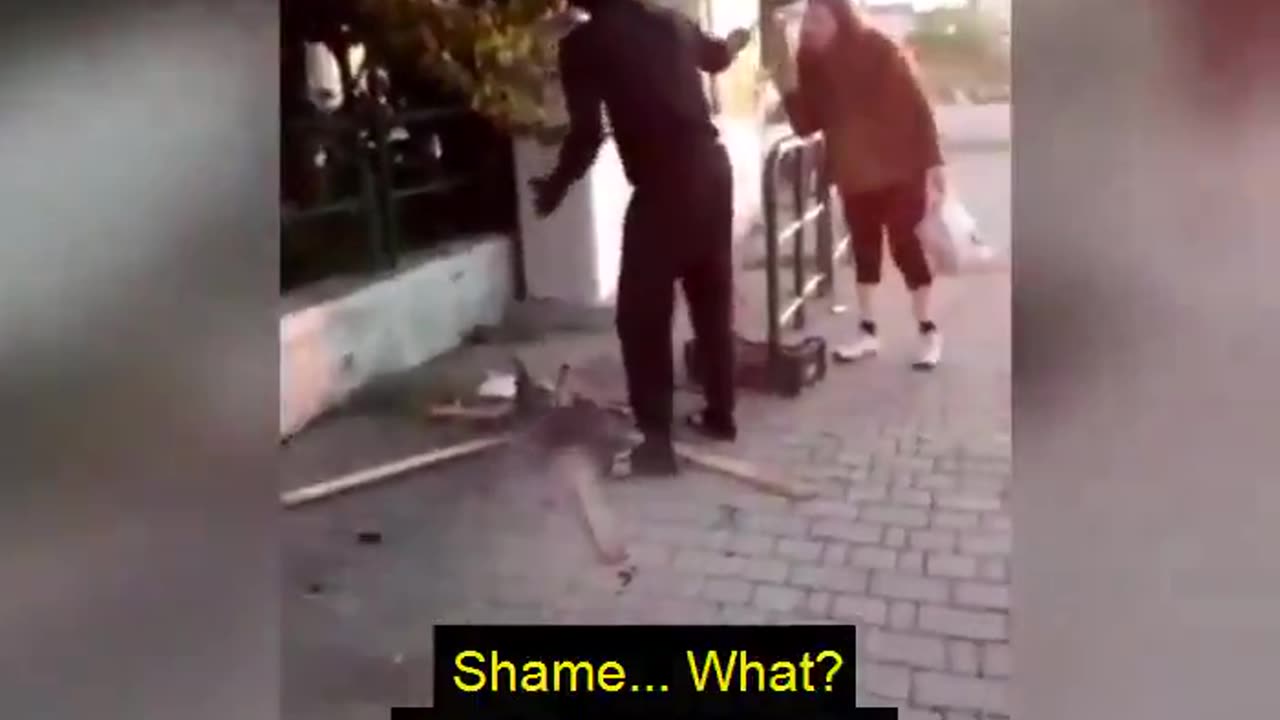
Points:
(373, 475)
(457, 411)
(580, 471)
(746, 472)
(737, 469)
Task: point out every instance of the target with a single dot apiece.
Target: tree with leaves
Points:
(498, 54)
(960, 47)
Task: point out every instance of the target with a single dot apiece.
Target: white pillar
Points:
(573, 255)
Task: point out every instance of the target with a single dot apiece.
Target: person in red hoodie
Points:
(854, 84)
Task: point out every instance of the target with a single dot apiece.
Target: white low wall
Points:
(332, 347)
(389, 324)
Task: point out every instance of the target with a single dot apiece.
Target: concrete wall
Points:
(574, 254)
(388, 324)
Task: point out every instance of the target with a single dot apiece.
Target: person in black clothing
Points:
(643, 65)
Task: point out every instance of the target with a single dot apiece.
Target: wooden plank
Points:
(746, 472)
(577, 467)
(735, 468)
(373, 475)
(457, 411)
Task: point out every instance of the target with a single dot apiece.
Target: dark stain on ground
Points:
(728, 518)
(626, 575)
(369, 537)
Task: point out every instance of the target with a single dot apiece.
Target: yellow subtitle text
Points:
(476, 673)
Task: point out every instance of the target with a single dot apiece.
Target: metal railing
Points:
(360, 147)
(795, 167)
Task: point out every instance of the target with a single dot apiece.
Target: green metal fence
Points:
(354, 175)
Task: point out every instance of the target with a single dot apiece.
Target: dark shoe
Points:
(653, 457)
(713, 427)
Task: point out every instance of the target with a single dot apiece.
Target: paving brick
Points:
(911, 463)
(997, 521)
(766, 570)
(935, 482)
(682, 612)
(967, 624)
(918, 651)
(685, 537)
(835, 553)
(774, 523)
(730, 591)
(822, 577)
(968, 501)
(737, 615)
(902, 615)
(890, 681)
(847, 530)
(802, 550)
(872, 700)
(912, 497)
(828, 490)
(999, 467)
(823, 508)
(872, 558)
(982, 595)
(665, 582)
(985, 486)
(852, 460)
(963, 657)
(950, 566)
(862, 492)
(902, 586)
(650, 554)
(707, 562)
(986, 543)
(818, 603)
(994, 569)
(751, 544)
(955, 520)
(895, 537)
(903, 516)
(936, 540)
(664, 510)
(997, 660)
(958, 691)
(777, 598)
(861, 610)
(912, 562)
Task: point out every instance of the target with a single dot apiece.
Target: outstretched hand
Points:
(738, 39)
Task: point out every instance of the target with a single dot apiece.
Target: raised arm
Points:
(715, 55)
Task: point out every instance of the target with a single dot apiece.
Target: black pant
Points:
(894, 211)
(679, 227)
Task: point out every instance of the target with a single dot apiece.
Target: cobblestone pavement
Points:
(910, 538)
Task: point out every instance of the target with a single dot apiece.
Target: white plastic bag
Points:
(952, 242)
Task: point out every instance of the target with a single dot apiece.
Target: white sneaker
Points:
(930, 353)
(864, 346)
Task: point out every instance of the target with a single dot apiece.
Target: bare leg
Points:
(922, 304)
